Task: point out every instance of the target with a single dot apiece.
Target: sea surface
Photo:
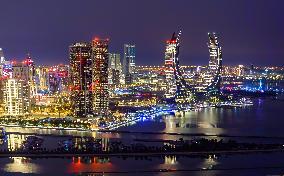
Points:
(264, 119)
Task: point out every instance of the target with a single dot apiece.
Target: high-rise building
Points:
(177, 87)
(100, 58)
(58, 79)
(25, 71)
(81, 79)
(41, 73)
(2, 58)
(129, 63)
(115, 69)
(5, 73)
(22, 81)
(63, 73)
(240, 70)
(53, 81)
(170, 54)
(16, 97)
(6, 70)
(251, 71)
(213, 78)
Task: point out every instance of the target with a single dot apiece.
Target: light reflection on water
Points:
(262, 119)
(142, 165)
(13, 142)
(22, 165)
(83, 164)
(210, 162)
(259, 120)
(207, 120)
(89, 164)
(171, 160)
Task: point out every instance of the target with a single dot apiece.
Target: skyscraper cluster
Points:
(93, 70)
(176, 85)
(87, 80)
(94, 74)
(23, 84)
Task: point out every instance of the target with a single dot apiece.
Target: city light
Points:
(96, 91)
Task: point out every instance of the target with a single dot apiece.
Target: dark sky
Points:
(250, 31)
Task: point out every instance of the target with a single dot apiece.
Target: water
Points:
(254, 164)
(265, 118)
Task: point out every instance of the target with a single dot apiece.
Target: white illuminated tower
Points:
(2, 58)
(16, 97)
(240, 70)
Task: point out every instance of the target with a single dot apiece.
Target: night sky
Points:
(250, 31)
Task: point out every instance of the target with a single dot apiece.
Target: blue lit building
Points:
(129, 63)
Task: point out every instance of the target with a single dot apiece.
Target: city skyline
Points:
(245, 36)
(179, 87)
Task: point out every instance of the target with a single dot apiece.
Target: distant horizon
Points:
(162, 63)
(138, 61)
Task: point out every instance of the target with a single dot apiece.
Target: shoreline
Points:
(52, 155)
(121, 124)
(51, 128)
(135, 132)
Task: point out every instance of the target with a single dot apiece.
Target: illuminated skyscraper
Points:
(115, 69)
(22, 82)
(81, 79)
(42, 78)
(100, 58)
(177, 87)
(215, 65)
(58, 79)
(5, 73)
(16, 97)
(7, 70)
(170, 54)
(2, 58)
(129, 63)
(25, 71)
(240, 70)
